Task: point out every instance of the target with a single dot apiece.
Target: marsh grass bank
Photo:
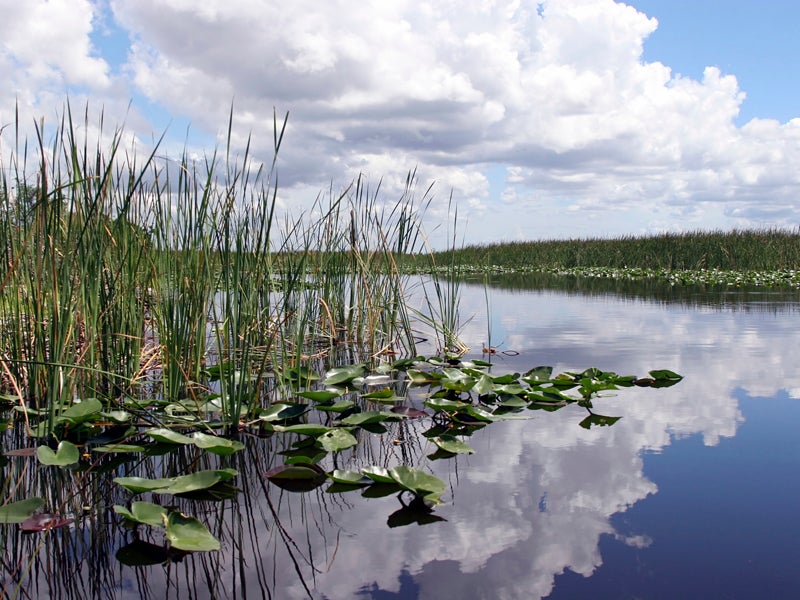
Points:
(769, 257)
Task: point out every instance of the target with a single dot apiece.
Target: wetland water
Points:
(691, 494)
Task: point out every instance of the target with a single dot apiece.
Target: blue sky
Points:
(756, 41)
(554, 119)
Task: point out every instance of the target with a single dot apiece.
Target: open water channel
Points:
(693, 493)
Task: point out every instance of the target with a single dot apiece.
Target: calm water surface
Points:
(693, 493)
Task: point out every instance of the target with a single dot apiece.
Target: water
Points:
(691, 494)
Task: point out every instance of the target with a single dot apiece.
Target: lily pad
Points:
(43, 521)
(187, 533)
(67, 453)
(121, 448)
(216, 445)
(17, 512)
(419, 482)
(168, 436)
(81, 412)
(146, 513)
(340, 375)
(452, 444)
(349, 477)
(338, 439)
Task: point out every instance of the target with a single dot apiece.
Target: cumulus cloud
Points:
(520, 108)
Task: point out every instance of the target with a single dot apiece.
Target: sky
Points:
(544, 120)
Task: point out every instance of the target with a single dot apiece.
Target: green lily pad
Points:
(320, 395)
(67, 453)
(337, 407)
(146, 513)
(282, 411)
(176, 485)
(368, 416)
(312, 429)
(189, 534)
(81, 412)
(337, 439)
(121, 448)
(168, 436)
(377, 474)
(419, 482)
(445, 404)
(117, 416)
(452, 444)
(340, 375)
(215, 444)
(349, 477)
(17, 512)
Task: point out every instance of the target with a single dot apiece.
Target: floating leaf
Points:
(421, 377)
(312, 429)
(146, 513)
(384, 395)
(43, 521)
(216, 445)
(120, 448)
(598, 420)
(452, 444)
(340, 375)
(419, 482)
(445, 404)
(176, 485)
(408, 411)
(17, 512)
(117, 416)
(282, 411)
(187, 533)
(665, 374)
(168, 436)
(349, 477)
(377, 474)
(336, 440)
(80, 412)
(320, 395)
(297, 478)
(338, 407)
(67, 453)
(368, 416)
(483, 385)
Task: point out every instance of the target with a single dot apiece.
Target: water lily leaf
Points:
(419, 482)
(421, 377)
(408, 411)
(17, 512)
(460, 385)
(483, 385)
(507, 401)
(187, 533)
(67, 453)
(599, 420)
(452, 444)
(381, 490)
(384, 395)
(43, 521)
(80, 412)
(297, 478)
(511, 389)
(121, 448)
(299, 375)
(445, 404)
(281, 411)
(168, 436)
(368, 416)
(146, 513)
(176, 485)
(320, 395)
(340, 375)
(337, 407)
(117, 416)
(312, 429)
(349, 477)
(338, 439)
(665, 374)
(377, 474)
(215, 444)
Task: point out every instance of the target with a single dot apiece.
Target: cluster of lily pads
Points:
(777, 278)
(323, 413)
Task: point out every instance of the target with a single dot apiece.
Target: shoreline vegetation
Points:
(767, 257)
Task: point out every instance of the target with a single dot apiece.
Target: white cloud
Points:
(556, 92)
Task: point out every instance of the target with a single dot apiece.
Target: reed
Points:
(735, 250)
(127, 273)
